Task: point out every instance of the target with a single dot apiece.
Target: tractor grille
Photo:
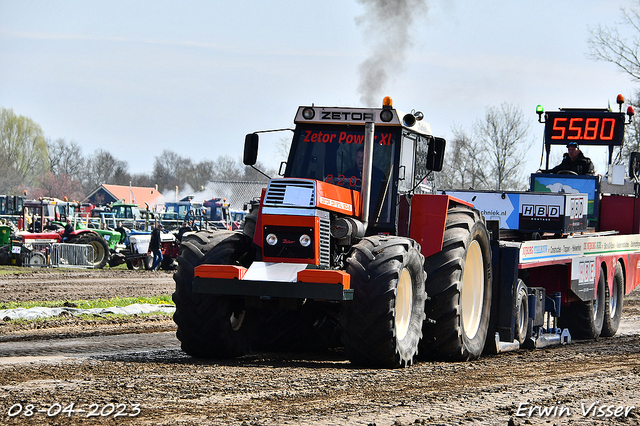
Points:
(325, 248)
(278, 187)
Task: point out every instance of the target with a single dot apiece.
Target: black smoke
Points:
(388, 29)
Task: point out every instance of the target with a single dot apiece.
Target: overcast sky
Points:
(138, 77)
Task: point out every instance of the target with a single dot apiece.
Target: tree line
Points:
(59, 168)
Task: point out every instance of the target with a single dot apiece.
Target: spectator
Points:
(68, 229)
(154, 246)
(122, 231)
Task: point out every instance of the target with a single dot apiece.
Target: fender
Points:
(428, 219)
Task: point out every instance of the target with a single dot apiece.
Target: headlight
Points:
(308, 113)
(386, 115)
(305, 240)
(272, 240)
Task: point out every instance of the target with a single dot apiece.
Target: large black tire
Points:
(250, 220)
(613, 304)
(211, 326)
(585, 319)
(100, 248)
(382, 325)
(459, 284)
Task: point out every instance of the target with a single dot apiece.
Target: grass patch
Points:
(12, 269)
(90, 304)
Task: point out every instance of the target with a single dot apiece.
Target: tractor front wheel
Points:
(211, 326)
(382, 325)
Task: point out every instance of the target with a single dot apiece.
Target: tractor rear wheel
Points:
(613, 304)
(459, 287)
(585, 319)
(100, 248)
(382, 325)
(211, 326)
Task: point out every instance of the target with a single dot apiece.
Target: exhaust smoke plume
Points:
(387, 27)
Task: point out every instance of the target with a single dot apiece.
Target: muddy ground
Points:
(67, 371)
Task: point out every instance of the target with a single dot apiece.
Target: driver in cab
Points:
(377, 175)
(574, 161)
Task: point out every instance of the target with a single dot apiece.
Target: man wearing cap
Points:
(574, 161)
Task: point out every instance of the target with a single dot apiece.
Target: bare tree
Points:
(65, 158)
(59, 186)
(631, 134)
(102, 168)
(201, 174)
(607, 44)
(502, 135)
(226, 168)
(462, 167)
(165, 169)
(143, 179)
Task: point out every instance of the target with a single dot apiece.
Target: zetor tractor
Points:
(337, 248)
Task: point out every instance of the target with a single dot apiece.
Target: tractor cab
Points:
(329, 153)
(128, 214)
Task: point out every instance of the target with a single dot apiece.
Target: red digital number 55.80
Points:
(583, 128)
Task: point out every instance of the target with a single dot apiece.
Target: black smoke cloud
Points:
(387, 26)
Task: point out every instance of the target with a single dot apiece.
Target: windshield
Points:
(126, 212)
(334, 155)
(181, 210)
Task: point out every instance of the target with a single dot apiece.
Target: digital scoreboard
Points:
(585, 127)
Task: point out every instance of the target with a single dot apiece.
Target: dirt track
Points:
(122, 363)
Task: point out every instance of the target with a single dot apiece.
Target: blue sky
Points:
(138, 77)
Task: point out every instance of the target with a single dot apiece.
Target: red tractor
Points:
(32, 245)
(346, 247)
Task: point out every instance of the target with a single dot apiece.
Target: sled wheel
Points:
(459, 286)
(382, 324)
(100, 248)
(211, 326)
(613, 304)
(522, 313)
(585, 319)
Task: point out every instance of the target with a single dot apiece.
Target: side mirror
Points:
(250, 149)
(435, 155)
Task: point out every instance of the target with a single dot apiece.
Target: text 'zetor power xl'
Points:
(352, 248)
